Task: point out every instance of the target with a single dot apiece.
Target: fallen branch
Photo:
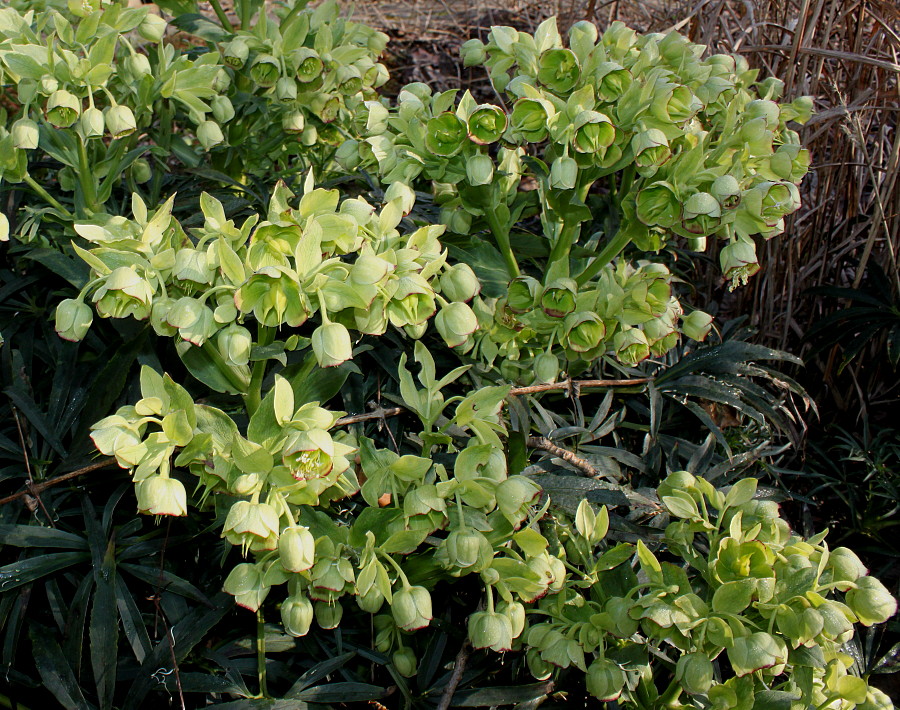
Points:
(459, 667)
(539, 442)
(379, 413)
(35, 489)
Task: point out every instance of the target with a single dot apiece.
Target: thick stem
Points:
(253, 398)
(220, 13)
(501, 236)
(86, 178)
(609, 252)
(261, 653)
(52, 201)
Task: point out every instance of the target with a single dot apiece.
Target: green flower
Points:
(73, 319)
(584, 331)
(120, 121)
(558, 70)
(631, 346)
(331, 344)
(309, 454)
(63, 108)
(702, 214)
(124, 293)
(92, 123)
(558, 298)
(727, 190)
(738, 261)
(152, 28)
(222, 109)
(613, 80)
(480, 170)
(411, 608)
(445, 134)
(245, 583)
(594, 133)
(563, 173)
(523, 294)
(309, 64)
(273, 295)
(605, 679)
(404, 660)
(265, 70)
(651, 149)
(490, 629)
(695, 672)
(25, 134)
(871, 601)
(456, 322)
(286, 89)
(487, 124)
(459, 283)
(234, 344)
(249, 523)
(296, 615)
(658, 205)
(297, 549)
(349, 80)
(530, 117)
(209, 134)
(235, 53)
(161, 495)
(473, 53)
(696, 325)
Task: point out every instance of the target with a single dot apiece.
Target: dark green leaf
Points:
(37, 536)
(54, 669)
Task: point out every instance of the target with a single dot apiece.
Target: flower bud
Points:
(25, 134)
(161, 495)
(120, 121)
(411, 608)
(297, 615)
(297, 549)
(370, 601)
(546, 368)
(594, 133)
(328, 615)
(152, 27)
(459, 283)
(651, 149)
(92, 123)
(293, 121)
(222, 81)
(530, 117)
(234, 343)
(141, 171)
(702, 214)
(222, 109)
(209, 134)
(473, 53)
(515, 496)
(466, 549)
(331, 344)
(871, 601)
(658, 205)
(696, 325)
(489, 629)
(404, 660)
(845, 566)
(63, 108)
(456, 322)
(286, 89)
(515, 612)
(235, 53)
(523, 294)
(727, 190)
(73, 319)
(563, 173)
(480, 169)
(347, 155)
(537, 666)
(605, 679)
(694, 671)
(138, 65)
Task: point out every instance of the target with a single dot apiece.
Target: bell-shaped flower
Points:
(631, 346)
(559, 70)
(651, 149)
(63, 108)
(411, 607)
(161, 495)
(120, 121)
(92, 123)
(124, 293)
(487, 124)
(490, 629)
(531, 118)
(584, 331)
(25, 134)
(265, 70)
(309, 454)
(446, 134)
(563, 173)
(702, 214)
(459, 283)
(331, 344)
(871, 601)
(696, 325)
(73, 319)
(209, 134)
(473, 53)
(480, 170)
(594, 133)
(559, 297)
(738, 261)
(456, 322)
(152, 27)
(297, 615)
(309, 64)
(251, 522)
(658, 204)
(297, 549)
(245, 582)
(605, 679)
(273, 295)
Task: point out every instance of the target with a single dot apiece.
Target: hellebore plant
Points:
(269, 308)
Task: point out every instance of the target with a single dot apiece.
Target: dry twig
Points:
(459, 667)
(539, 442)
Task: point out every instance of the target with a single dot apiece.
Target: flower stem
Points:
(501, 236)
(234, 379)
(609, 252)
(261, 653)
(253, 398)
(86, 177)
(52, 201)
(220, 13)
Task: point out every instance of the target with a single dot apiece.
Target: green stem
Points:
(86, 177)
(220, 13)
(234, 379)
(298, 7)
(52, 201)
(671, 694)
(501, 235)
(253, 398)
(261, 653)
(246, 10)
(609, 252)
